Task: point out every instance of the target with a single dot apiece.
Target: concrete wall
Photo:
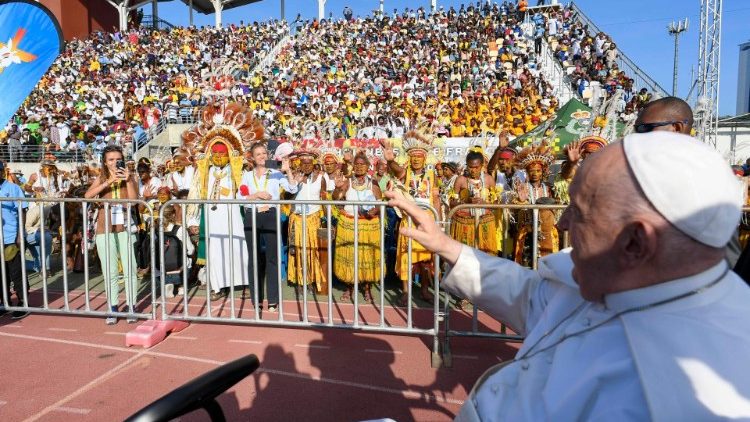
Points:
(734, 143)
(79, 18)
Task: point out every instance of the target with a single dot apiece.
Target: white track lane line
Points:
(410, 394)
(75, 410)
(233, 340)
(311, 346)
(93, 383)
(65, 330)
(396, 352)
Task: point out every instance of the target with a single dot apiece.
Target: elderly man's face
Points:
(593, 234)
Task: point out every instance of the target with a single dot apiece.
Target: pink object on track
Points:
(153, 332)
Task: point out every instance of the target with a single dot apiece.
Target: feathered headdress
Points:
(233, 122)
(328, 149)
(416, 142)
(310, 147)
(535, 154)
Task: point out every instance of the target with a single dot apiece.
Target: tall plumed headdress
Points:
(233, 123)
(536, 154)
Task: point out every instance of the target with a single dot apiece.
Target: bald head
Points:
(620, 241)
(670, 113)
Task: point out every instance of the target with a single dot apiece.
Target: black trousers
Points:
(14, 276)
(265, 235)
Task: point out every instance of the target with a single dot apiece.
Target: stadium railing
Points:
(36, 153)
(503, 333)
(66, 293)
(556, 75)
(325, 235)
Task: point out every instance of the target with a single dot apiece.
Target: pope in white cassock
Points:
(642, 319)
(218, 177)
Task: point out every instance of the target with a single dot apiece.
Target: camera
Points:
(120, 164)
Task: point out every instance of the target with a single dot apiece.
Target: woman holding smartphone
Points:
(114, 245)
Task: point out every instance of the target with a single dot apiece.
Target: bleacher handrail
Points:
(35, 153)
(640, 78)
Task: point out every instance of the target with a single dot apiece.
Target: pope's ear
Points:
(636, 244)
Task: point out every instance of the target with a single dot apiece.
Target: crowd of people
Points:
(473, 70)
(114, 88)
(650, 258)
(231, 160)
(590, 60)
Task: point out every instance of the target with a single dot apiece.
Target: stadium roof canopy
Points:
(207, 7)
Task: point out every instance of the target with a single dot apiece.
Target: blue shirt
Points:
(272, 181)
(10, 210)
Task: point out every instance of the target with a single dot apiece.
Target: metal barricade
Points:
(67, 292)
(329, 313)
(503, 333)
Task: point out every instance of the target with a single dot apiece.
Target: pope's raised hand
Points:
(424, 229)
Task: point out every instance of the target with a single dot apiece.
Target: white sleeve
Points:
(182, 235)
(505, 290)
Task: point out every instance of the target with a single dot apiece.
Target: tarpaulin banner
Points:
(448, 149)
(30, 41)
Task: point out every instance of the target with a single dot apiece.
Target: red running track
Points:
(76, 368)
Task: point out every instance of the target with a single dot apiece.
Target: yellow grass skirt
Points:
(465, 230)
(418, 253)
(368, 258)
(314, 269)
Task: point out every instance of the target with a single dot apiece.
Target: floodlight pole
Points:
(190, 7)
(675, 30)
(321, 9)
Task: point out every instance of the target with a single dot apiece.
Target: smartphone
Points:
(120, 164)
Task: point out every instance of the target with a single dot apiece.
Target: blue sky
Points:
(637, 26)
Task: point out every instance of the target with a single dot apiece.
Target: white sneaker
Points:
(111, 320)
(131, 320)
(169, 291)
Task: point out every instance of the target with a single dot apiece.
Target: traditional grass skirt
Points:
(368, 258)
(296, 251)
(418, 253)
(482, 236)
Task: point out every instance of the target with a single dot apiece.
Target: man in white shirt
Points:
(264, 184)
(642, 319)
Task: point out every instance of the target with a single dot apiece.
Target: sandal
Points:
(368, 296)
(347, 296)
(218, 295)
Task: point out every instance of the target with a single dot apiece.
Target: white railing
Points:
(556, 75)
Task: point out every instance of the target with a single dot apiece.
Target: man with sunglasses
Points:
(670, 114)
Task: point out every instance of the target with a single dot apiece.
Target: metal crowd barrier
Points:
(503, 333)
(212, 313)
(68, 298)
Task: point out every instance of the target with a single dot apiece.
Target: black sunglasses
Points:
(648, 127)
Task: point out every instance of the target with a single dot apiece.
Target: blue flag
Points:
(30, 41)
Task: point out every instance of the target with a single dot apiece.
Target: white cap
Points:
(688, 182)
(283, 151)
